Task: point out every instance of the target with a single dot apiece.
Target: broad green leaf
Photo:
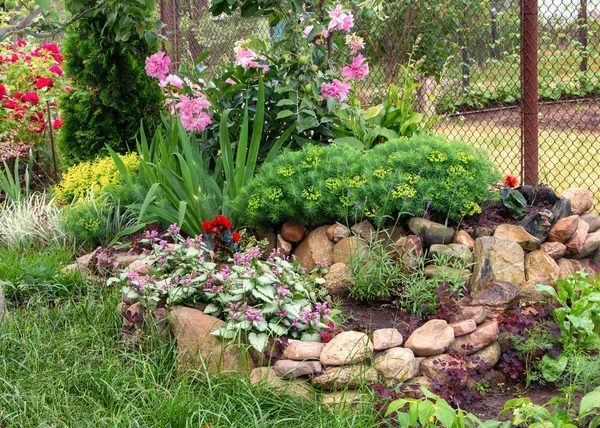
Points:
(284, 113)
(589, 402)
(353, 142)
(552, 368)
(371, 112)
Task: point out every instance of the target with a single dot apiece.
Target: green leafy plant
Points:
(396, 117)
(554, 413)
(578, 317)
(181, 185)
(537, 340)
(10, 181)
(99, 220)
(258, 299)
(433, 411)
(111, 91)
(318, 185)
(374, 272)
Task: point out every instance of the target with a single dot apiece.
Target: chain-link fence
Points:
(472, 69)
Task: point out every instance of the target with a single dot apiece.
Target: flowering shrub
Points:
(258, 299)
(307, 74)
(93, 176)
(30, 77)
(319, 184)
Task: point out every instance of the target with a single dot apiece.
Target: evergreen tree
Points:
(111, 91)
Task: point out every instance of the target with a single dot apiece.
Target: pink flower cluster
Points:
(193, 111)
(340, 20)
(357, 70)
(247, 58)
(157, 65)
(335, 89)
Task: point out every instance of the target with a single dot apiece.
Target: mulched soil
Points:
(492, 402)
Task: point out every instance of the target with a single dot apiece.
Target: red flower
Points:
(42, 82)
(2, 91)
(58, 122)
(31, 97)
(11, 104)
(510, 181)
(21, 43)
(236, 237)
(50, 47)
(206, 226)
(18, 95)
(221, 221)
(40, 129)
(56, 70)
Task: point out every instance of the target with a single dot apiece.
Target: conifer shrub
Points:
(321, 184)
(111, 91)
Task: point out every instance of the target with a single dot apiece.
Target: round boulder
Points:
(432, 338)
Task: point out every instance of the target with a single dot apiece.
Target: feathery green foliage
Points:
(322, 184)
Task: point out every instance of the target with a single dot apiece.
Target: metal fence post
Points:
(529, 91)
(169, 15)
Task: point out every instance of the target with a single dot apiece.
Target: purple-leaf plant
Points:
(258, 299)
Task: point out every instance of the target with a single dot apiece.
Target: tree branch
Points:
(83, 12)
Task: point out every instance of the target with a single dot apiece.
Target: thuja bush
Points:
(404, 176)
(111, 91)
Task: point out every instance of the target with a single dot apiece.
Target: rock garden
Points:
(253, 245)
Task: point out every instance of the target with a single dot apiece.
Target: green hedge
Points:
(111, 92)
(321, 184)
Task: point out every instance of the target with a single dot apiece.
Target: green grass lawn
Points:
(567, 157)
(62, 364)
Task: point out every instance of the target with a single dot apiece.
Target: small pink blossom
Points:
(357, 70)
(68, 88)
(192, 113)
(172, 80)
(354, 43)
(247, 58)
(308, 30)
(157, 65)
(335, 89)
(340, 20)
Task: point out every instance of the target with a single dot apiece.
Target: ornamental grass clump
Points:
(318, 185)
(258, 299)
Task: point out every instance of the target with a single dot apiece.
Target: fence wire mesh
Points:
(472, 72)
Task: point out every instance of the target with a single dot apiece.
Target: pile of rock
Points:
(352, 359)
(542, 248)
